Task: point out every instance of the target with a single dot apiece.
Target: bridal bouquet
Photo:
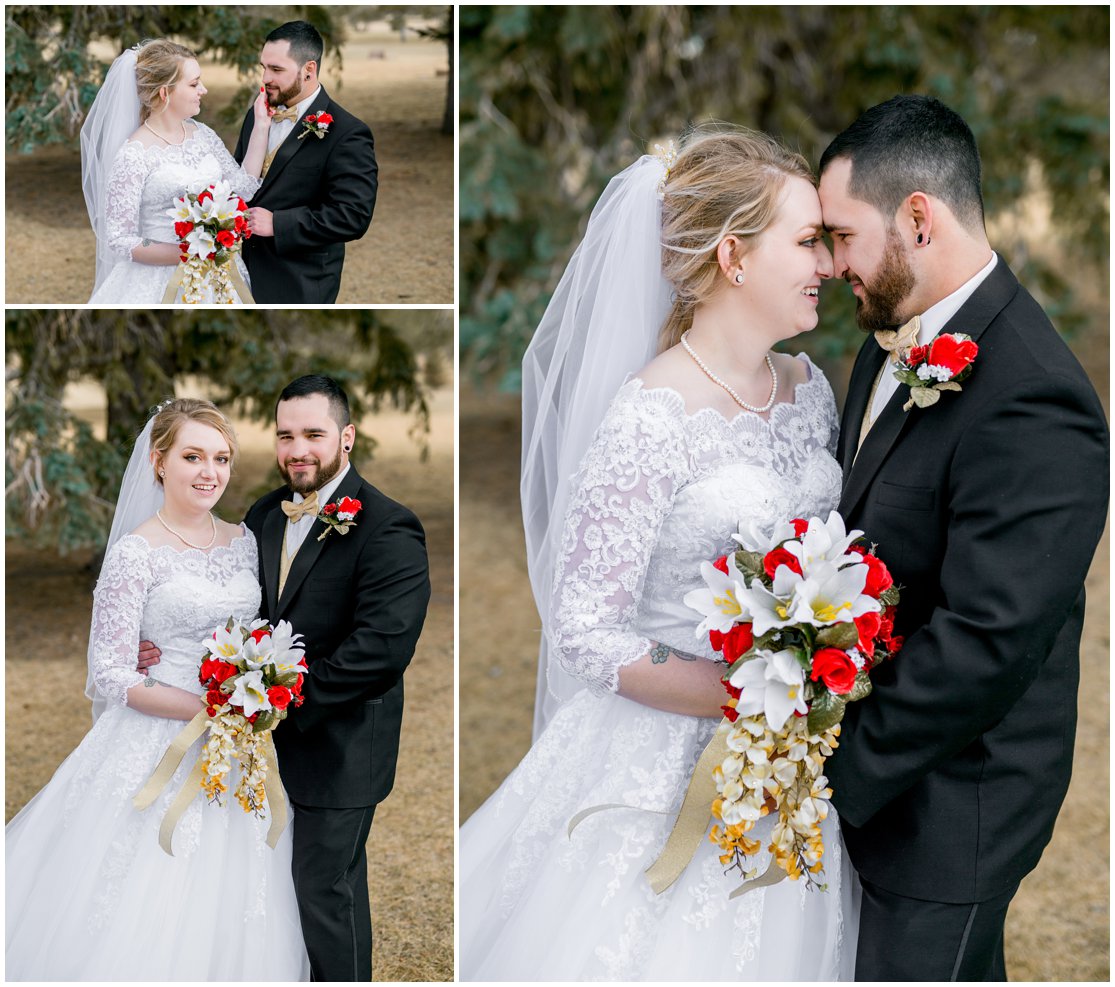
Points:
(211, 224)
(252, 676)
(801, 617)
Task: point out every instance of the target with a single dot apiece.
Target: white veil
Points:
(601, 325)
(113, 117)
(140, 496)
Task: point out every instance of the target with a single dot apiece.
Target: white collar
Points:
(324, 493)
(936, 317)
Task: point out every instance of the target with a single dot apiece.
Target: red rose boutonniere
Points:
(339, 516)
(938, 366)
(316, 124)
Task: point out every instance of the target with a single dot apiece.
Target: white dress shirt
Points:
(296, 531)
(933, 320)
(280, 131)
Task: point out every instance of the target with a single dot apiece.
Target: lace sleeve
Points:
(243, 184)
(624, 491)
(123, 195)
(118, 603)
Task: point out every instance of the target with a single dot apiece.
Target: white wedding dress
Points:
(90, 895)
(142, 186)
(658, 492)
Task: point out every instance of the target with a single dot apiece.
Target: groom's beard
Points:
(305, 483)
(287, 97)
(891, 286)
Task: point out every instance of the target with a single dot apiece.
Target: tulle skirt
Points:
(90, 895)
(539, 904)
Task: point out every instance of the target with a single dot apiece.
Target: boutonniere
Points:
(316, 124)
(339, 516)
(938, 366)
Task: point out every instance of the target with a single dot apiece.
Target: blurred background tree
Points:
(555, 100)
(52, 73)
(61, 478)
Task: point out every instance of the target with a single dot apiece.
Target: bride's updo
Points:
(174, 414)
(158, 64)
(724, 181)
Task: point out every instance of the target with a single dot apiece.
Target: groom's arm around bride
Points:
(320, 177)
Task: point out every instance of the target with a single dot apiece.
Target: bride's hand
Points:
(262, 111)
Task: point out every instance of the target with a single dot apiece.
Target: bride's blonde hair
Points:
(158, 64)
(170, 418)
(725, 181)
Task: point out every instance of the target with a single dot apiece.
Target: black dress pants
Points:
(330, 868)
(906, 939)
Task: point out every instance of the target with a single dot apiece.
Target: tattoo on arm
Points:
(150, 683)
(660, 652)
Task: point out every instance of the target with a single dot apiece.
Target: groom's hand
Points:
(148, 656)
(261, 221)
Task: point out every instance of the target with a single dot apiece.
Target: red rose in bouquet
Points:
(833, 667)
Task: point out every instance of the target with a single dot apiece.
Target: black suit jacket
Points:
(987, 508)
(322, 192)
(359, 601)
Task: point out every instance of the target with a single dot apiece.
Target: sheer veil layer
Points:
(601, 325)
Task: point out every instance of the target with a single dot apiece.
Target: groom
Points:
(359, 600)
(987, 507)
(319, 180)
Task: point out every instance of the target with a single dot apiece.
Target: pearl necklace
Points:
(735, 397)
(163, 139)
(200, 548)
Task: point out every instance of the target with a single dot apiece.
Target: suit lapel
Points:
(292, 145)
(973, 318)
(313, 545)
(859, 390)
(274, 527)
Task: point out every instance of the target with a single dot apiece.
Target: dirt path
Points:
(410, 853)
(1057, 928)
(405, 257)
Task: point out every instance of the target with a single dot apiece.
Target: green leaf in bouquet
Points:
(889, 597)
(264, 722)
(949, 385)
(771, 641)
(286, 678)
(861, 690)
(838, 636)
(750, 563)
(827, 711)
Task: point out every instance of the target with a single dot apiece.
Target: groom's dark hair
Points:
(912, 144)
(303, 387)
(305, 42)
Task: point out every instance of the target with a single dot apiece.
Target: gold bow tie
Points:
(896, 341)
(290, 113)
(295, 512)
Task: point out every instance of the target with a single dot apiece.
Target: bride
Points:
(709, 260)
(90, 894)
(140, 149)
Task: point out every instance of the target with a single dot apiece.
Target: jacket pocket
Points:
(905, 498)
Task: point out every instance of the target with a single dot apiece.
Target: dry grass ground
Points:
(1057, 928)
(406, 256)
(410, 852)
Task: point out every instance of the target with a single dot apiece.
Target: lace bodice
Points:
(660, 491)
(172, 598)
(144, 182)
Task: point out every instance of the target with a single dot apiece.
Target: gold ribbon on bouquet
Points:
(205, 269)
(169, 763)
(691, 826)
